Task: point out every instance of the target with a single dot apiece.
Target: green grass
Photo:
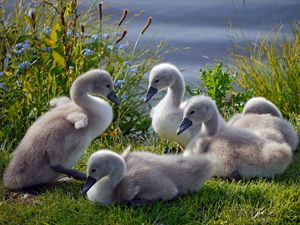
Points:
(219, 201)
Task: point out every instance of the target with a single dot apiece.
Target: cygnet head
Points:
(100, 164)
(197, 110)
(260, 105)
(161, 77)
(97, 82)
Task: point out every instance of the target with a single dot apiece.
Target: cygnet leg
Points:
(70, 172)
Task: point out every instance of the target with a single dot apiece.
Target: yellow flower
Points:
(114, 133)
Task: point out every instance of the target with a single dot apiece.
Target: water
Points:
(207, 27)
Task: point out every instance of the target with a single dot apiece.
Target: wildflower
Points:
(77, 34)
(25, 46)
(133, 70)
(86, 34)
(124, 97)
(114, 133)
(69, 33)
(47, 30)
(20, 52)
(18, 83)
(127, 63)
(46, 49)
(122, 46)
(19, 45)
(106, 35)
(110, 47)
(27, 63)
(119, 82)
(95, 37)
(22, 66)
(1, 74)
(87, 52)
(117, 33)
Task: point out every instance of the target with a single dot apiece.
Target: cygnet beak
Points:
(113, 97)
(150, 93)
(185, 124)
(90, 181)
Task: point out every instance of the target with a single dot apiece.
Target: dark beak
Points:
(113, 97)
(90, 181)
(150, 93)
(185, 124)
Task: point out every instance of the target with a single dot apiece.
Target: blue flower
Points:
(122, 46)
(22, 66)
(1, 74)
(127, 63)
(46, 49)
(117, 33)
(20, 52)
(133, 70)
(87, 52)
(47, 30)
(18, 83)
(69, 33)
(124, 97)
(106, 35)
(86, 34)
(26, 46)
(77, 34)
(119, 82)
(95, 37)
(27, 63)
(110, 47)
(19, 45)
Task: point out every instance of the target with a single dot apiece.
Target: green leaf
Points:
(59, 59)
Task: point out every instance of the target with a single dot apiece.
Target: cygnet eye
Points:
(192, 112)
(108, 86)
(156, 81)
(93, 170)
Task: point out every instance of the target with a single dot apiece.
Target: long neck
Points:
(213, 125)
(79, 94)
(176, 91)
(104, 190)
(118, 172)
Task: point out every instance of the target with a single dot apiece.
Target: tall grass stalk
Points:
(272, 69)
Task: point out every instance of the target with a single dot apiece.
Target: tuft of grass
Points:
(272, 69)
(219, 201)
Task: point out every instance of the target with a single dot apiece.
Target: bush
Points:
(218, 84)
(45, 46)
(272, 69)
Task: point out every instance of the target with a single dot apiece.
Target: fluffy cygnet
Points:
(142, 176)
(56, 141)
(264, 118)
(167, 114)
(234, 151)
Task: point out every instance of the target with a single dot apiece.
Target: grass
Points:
(219, 201)
(271, 68)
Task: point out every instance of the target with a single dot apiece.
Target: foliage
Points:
(271, 67)
(219, 85)
(46, 45)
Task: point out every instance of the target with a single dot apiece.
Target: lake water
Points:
(207, 27)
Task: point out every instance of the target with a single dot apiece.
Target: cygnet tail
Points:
(276, 158)
(15, 177)
(126, 152)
